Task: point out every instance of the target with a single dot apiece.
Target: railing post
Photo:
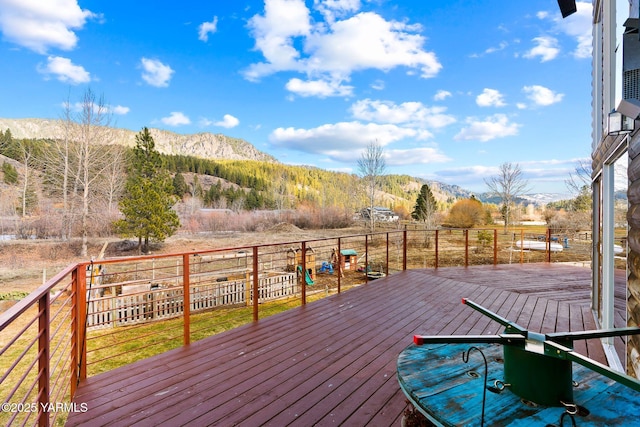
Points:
(73, 377)
(466, 247)
(186, 298)
(548, 245)
(521, 246)
(495, 246)
(437, 234)
(43, 360)
(339, 261)
(404, 249)
(81, 308)
(366, 258)
(303, 273)
(256, 281)
(386, 268)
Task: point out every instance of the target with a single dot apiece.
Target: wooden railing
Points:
(94, 316)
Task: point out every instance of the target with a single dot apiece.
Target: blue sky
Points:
(450, 89)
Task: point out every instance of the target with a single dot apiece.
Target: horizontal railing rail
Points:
(95, 316)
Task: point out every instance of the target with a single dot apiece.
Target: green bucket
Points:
(541, 379)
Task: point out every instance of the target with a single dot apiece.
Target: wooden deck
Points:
(333, 362)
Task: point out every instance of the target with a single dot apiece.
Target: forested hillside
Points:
(226, 183)
(63, 185)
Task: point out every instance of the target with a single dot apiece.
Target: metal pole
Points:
(255, 283)
(495, 246)
(339, 262)
(303, 273)
(75, 301)
(186, 300)
(43, 360)
(404, 249)
(81, 289)
(466, 247)
(437, 246)
(366, 257)
(386, 268)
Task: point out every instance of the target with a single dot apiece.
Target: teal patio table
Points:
(451, 392)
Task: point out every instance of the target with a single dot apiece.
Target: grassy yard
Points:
(111, 348)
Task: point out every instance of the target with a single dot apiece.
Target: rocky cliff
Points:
(206, 145)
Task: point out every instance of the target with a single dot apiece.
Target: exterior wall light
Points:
(619, 124)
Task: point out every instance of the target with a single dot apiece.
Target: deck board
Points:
(333, 361)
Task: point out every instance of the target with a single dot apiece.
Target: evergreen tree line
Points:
(239, 184)
(256, 184)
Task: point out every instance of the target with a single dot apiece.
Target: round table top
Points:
(449, 392)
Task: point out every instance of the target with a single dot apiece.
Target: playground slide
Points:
(307, 277)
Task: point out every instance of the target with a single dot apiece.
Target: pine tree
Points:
(179, 185)
(149, 196)
(426, 206)
(10, 173)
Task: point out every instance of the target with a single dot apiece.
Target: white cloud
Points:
(490, 98)
(413, 156)
(546, 48)
(98, 108)
(536, 172)
(120, 110)
(274, 32)
(541, 95)
(331, 50)
(496, 126)
(155, 72)
(413, 114)
(318, 88)
(579, 26)
(39, 25)
(341, 138)
(65, 70)
(228, 121)
(207, 28)
(345, 141)
(441, 95)
(176, 118)
(501, 46)
(366, 40)
(331, 9)
(468, 175)
(378, 85)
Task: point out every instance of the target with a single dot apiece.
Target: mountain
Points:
(218, 146)
(205, 145)
(541, 199)
(450, 189)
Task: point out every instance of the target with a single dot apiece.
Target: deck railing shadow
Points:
(95, 316)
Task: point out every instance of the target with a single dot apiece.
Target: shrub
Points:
(465, 213)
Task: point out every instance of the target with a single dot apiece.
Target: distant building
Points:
(379, 214)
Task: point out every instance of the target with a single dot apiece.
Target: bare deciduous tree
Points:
(84, 166)
(113, 181)
(508, 185)
(371, 166)
(58, 163)
(27, 159)
(580, 177)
